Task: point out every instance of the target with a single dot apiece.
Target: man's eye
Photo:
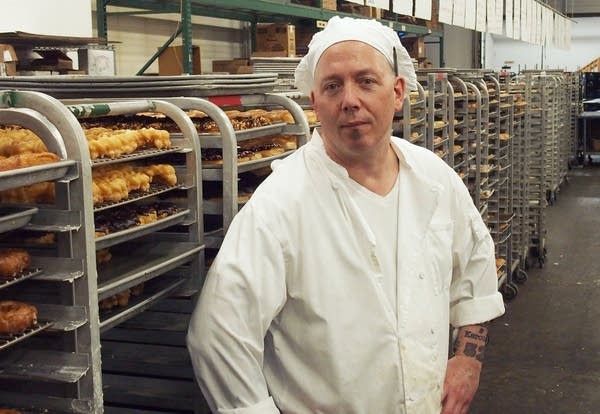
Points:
(330, 86)
(368, 81)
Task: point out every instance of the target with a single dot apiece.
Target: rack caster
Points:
(509, 291)
(520, 276)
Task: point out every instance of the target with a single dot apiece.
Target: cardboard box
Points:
(329, 4)
(325, 4)
(304, 34)
(170, 61)
(236, 66)
(415, 46)
(97, 62)
(276, 39)
(8, 60)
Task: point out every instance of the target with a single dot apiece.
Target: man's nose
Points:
(350, 101)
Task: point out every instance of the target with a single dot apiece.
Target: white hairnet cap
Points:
(371, 32)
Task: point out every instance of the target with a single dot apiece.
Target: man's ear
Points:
(399, 90)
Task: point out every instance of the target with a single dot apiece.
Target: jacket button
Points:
(421, 276)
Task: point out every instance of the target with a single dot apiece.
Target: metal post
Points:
(101, 18)
(186, 36)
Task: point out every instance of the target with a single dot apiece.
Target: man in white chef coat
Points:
(336, 284)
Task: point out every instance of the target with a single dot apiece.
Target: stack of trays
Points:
(81, 86)
(284, 66)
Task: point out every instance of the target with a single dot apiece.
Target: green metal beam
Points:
(101, 18)
(186, 36)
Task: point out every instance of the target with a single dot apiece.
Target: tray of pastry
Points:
(214, 139)
(152, 291)
(27, 274)
(138, 195)
(7, 340)
(136, 231)
(12, 217)
(30, 175)
(137, 155)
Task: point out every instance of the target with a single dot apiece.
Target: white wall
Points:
(585, 47)
(47, 17)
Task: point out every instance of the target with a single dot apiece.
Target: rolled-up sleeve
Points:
(244, 290)
(474, 296)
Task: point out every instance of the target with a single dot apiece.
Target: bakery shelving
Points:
(477, 124)
(537, 97)
(227, 140)
(520, 148)
(435, 84)
(459, 115)
(575, 110)
(166, 254)
(65, 377)
(411, 122)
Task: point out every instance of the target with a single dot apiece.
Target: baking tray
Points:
(12, 218)
(214, 140)
(36, 174)
(9, 340)
(138, 195)
(142, 263)
(20, 277)
(137, 155)
(154, 291)
(76, 79)
(119, 237)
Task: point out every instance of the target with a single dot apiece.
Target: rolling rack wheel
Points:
(509, 291)
(520, 276)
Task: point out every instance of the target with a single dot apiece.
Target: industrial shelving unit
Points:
(411, 122)
(68, 272)
(538, 90)
(252, 11)
(435, 84)
(575, 110)
(459, 115)
(66, 376)
(520, 148)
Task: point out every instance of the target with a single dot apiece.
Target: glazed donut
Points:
(13, 262)
(16, 316)
(27, 160)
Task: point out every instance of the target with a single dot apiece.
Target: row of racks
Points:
(97, 272)
(488, 128)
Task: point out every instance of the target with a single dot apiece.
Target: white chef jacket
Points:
(291, 318)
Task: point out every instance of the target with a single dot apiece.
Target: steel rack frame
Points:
(435, 83)
(68, 379)
(537, 97)
(520, 146)
(411, 123)
(459, 115)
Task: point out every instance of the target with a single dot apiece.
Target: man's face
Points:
(355, 96)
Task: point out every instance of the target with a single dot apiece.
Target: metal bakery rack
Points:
(60, 368)
(435, 84)
(411, 122)
(520, 148)
(538, 90)
(459, 115)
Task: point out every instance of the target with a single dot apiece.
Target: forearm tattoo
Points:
(471, 341)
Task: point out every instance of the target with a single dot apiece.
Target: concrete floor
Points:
(544, 353)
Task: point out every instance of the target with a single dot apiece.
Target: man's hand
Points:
(464, 370)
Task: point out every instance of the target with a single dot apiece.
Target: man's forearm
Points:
(471, 341)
